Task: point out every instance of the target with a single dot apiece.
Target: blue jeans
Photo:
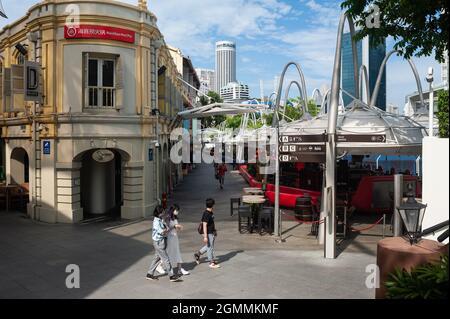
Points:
(209, 248)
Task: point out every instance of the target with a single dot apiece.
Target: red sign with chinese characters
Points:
(98, 32)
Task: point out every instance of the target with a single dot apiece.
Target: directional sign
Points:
(46, 147)
(364, 138)
(296, 148)
(303, 158)
(318, 138)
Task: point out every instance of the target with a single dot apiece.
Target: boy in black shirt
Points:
(209, 235)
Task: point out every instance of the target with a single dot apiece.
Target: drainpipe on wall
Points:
(35, 140)
(157, 46)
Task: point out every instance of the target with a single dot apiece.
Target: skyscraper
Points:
(225, 63)
(207, 80)
(371, 57)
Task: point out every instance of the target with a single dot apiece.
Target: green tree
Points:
(312, 108)
(233, 122)
(418, 27)
(216, 119)
(213, 98)
(442, 114)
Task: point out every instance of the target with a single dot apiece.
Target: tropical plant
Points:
(419, 28)
(442, 114)
(429, 281)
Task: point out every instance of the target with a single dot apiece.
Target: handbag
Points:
(200, 228)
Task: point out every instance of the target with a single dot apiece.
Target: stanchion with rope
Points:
(300, 221)
(371, 226)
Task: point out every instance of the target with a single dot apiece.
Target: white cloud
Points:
(191, 24)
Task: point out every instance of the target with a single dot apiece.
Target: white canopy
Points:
(222, 109)
(421, 116)
(403, 135)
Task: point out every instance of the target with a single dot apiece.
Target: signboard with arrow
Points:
(364, 138)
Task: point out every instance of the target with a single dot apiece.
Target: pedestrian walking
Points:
(159, 236)
(173, 244)
(221, 169)
(209, 232)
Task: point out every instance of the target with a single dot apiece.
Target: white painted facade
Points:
(435, 182)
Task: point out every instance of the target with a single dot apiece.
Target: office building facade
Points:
(207, 80)
(235, 92)
(371, 57)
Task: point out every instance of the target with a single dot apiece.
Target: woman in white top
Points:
(173, 245)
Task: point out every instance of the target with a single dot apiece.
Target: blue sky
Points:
(268, 34)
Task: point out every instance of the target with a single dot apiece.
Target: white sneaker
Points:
(214, 265)
(184, 272)
(160, 269)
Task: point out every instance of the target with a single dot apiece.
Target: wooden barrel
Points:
(303, 208)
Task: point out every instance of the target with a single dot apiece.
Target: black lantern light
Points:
(412, 214)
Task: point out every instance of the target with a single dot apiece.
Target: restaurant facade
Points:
(89, 95)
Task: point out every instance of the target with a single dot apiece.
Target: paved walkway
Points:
(113, 256)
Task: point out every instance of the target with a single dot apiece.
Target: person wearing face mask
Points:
(173, 245)
(159, 235)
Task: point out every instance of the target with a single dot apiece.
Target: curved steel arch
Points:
(280, 85)
(316, 92)
(380, 74)
(336, 80)
(286, 95)
(330, 171)
(363, 76)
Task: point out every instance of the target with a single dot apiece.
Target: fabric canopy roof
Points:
(221, 109)
(403, 135)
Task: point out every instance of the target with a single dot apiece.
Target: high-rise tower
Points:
(225, 64)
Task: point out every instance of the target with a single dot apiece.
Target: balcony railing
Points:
(100, 97)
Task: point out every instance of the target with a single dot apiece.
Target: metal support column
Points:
(398, 197)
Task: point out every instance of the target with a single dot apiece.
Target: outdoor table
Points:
(255, 201)
(7, 189)
(397, 252)
(253, 191)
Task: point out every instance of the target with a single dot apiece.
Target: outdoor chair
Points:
(245, 218)
(266, 219)
(233, 201)
(315, 224)
(341, 221)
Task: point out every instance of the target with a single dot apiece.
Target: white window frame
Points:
(100, 88)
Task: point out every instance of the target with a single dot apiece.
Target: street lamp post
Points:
(429, 79)
(412, 214)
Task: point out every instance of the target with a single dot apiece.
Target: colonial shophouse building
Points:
(97, 140)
